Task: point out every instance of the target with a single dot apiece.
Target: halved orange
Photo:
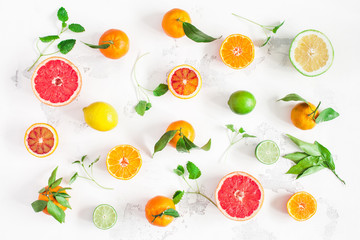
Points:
(237, 51)
(301, 206)
(41, 139)
(123, 162)
(184, 81)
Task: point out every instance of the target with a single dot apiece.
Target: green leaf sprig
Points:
(89, 174)
(193, 174)
(168, 212)
(324, 116)
(59, 195)
(195, 34)
(314, 158)
(183, 144)
(144, 105)
(272, 29)
(64, 46)
(235, 136)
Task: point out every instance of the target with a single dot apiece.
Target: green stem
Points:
(338, 177)
(139, 87)
(262, 26)
(204, 197)
(313, 113)
(187, 183)
(92, 179)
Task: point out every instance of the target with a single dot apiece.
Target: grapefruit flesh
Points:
(56, 81)
(184, 81)
(41, 139)
(239, 196)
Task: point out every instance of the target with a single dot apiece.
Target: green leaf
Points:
(148, 106)
(248, 136)
(48, 38)
(296, 156)
(102, 46)
(66, 45)
(181, 145)
(266, 42)
(61, 194)
(310, 170)
(326, 155)
(42, 190)
(189, 144)
(308, 148)
(63, 25)
(292, 97)
(194, 171)
(74, 27)
(63, 201)
(83, 158)
(39, 205)
(164, 140)
(171, 212)
(56, 183)
(95, 161)
(73, 178)
(160, 90)
(241, 130)
(62, 15)
(178, 196)
(304, 164)
(275, 29)
(76, 162)
(140, 108)
(63, 189)
(230, 127)
(207, 146)
(56, 212)
(179, 170)
(52, 177)
(195, 34)
(327, 115)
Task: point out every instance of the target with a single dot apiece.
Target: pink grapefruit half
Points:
(239, 196)
(56, 81)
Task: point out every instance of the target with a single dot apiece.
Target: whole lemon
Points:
(100, 116)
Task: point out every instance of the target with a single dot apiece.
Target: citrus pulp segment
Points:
(41, 139)
(123, 162)
(311, 53)
(56, 81)
(237, 51)
(301, 206)
(184, 81)
(104, 216)
(267, 152)
(239, 196)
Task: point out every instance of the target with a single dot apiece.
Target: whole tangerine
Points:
(172, 22)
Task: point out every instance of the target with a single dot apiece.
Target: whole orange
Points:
(156, 206)
(302, 117)
(172, 22)
(119, 43)
(186, 129)
(45, 198)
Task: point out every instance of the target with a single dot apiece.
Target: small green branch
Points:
(91, 178)
(338, 176)
(203, 195)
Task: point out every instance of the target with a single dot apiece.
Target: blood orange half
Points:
(184, 81)
(41, 139)
(56, 81)
(239, 196)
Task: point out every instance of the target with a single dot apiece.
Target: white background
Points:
(269, 77)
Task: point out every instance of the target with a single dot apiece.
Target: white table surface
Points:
(269, 77)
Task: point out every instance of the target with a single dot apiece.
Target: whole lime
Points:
(100, 116)
(242, 102)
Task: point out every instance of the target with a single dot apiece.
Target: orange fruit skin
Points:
(44, 198)
(120, 44)
(186, 129)
(300, 118)
(156, 206)
(170, 24)
(301, 206)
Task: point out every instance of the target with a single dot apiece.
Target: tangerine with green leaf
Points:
(303, 116)
(187, 130)
(156, 211)
(48, 194)
(172, 22)
(118, 43)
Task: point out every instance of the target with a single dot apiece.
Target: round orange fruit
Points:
(41, 139)
(156, 206)
(237, 51)
(119, 43)
(172, 22)
(45, 197)
(302, 116)
(184, 81)
(186, 129)
(123, 162)
(301, 206)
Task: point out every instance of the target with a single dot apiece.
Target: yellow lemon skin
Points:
(101, 116)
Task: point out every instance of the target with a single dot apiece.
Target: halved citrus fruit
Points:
(301, 206)
(123, 162)
(41, 139)
(184, 81)
(239, 196)
(56, 81)
(237, 51)
(311, 53)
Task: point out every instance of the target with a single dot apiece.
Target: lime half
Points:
(267, 152)
(311, 53)
(104, 216)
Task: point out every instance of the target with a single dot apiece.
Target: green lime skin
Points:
(242, 102)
